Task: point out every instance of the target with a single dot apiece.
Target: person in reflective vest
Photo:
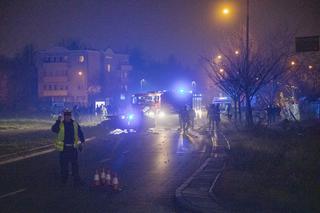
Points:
(67, 143)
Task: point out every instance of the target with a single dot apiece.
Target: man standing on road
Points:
(216, 116)
(67, 143)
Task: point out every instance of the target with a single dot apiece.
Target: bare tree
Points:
(236, 74)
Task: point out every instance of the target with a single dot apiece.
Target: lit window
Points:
(108, 67)
(81, 58)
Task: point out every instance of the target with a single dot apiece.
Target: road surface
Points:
(151, 165)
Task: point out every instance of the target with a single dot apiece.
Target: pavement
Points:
(196, 194)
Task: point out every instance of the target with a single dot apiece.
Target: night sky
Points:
(185, 28)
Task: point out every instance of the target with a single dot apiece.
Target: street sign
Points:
(307, 44)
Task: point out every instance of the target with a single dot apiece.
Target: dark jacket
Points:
(69, 131)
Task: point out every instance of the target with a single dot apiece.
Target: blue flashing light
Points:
(181, 90)
(130, 117)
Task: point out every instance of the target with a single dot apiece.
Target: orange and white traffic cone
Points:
(115, 182)
(96, 179)
(108, 178)
(103, 177)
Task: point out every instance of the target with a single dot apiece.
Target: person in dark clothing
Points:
(269, 114)
(192, 116)
(216, 116)
(211, 116)
(67, 143)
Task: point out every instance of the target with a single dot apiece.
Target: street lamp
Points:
(310, 67)
(142, 81)
(225, 11)
(80, 73)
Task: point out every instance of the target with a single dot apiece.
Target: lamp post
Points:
(142, 81)
(226, 11)
(247, 37)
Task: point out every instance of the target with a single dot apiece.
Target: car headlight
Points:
(161, 114)
(150, 114)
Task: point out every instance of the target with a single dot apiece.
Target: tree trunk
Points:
(239, 110)
(249, 117)
(235, 110)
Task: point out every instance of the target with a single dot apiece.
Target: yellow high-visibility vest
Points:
(59, 143)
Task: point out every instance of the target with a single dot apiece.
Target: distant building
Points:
(116, 70)
(81, 76)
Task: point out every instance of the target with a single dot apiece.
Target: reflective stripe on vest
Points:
(59, 143)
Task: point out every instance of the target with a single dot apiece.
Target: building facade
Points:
(79, 77)
(115, 75)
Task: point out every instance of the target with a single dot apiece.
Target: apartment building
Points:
(116, 69)
(81, 76)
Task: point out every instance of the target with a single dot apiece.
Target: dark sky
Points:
(185, 28)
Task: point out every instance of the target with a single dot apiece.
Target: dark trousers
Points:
(69, 156)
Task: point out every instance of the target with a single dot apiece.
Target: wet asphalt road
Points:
(150, 166)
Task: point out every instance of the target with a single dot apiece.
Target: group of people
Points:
(213, 116)
(187, 117)
(101, 111)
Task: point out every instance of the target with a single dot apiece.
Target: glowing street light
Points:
(310, 67)
(221, 70)
(293, 63)
(237, 52)
(219, 57)
(226, 11)
(80, 73)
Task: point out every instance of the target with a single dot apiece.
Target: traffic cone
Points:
(115, 182)
(103, 177)
(108, 178)
(96, 179)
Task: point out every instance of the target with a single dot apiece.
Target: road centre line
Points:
(12, 193)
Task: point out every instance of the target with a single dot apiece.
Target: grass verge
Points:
(272, 170)
(18, 135)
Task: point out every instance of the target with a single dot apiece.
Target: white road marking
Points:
(12, 193)
(33, 154)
